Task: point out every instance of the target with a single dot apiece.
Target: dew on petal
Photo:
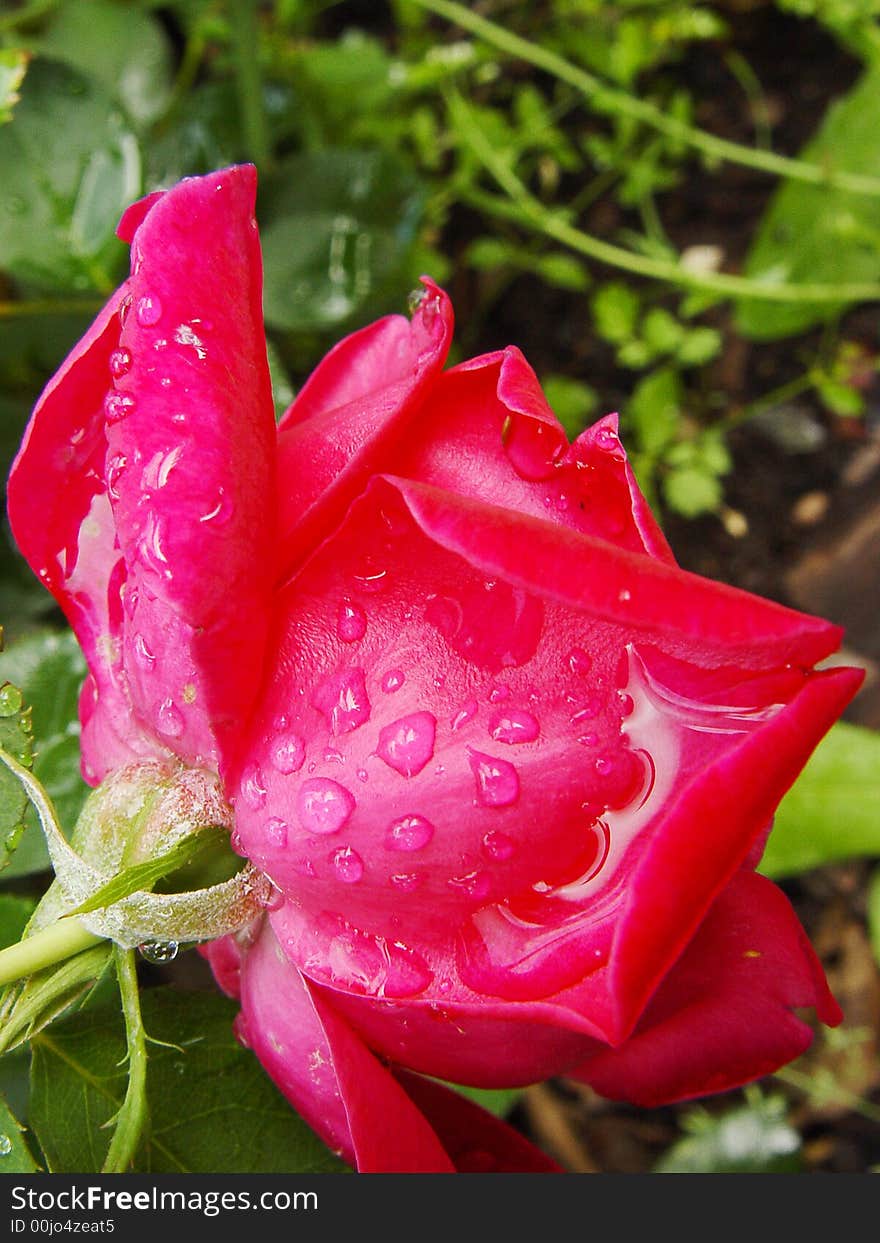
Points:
(351, 623)
(117, 406)
(169, 719)
(497, 780)
(499, 693)
(499, 846)
(113, 473)
(473, 884)
(253, 787)
(323, 805)
(342, 700)
(466, 713)
(220, 512)
(392, 681)
(288, 753)
(120, 362)
(409, 833)
(406, 745)
(348, 865)
(272, 898)
(148, 310)
(406, 882)
(513, 726)
(579, 661)
(276, 832)
(144, 655)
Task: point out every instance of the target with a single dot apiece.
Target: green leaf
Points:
(15, 1157)
(498, 1101)
(830, 813)
(654, 410)
(571, 400)
(124, 49)
(212, 1108)
(338, 229)
(14, 914)
(69, 167)
(699, 347)
(50, 668)
(816, 233)
(691, 491)
(754, 1139)
(661, 332)
(615, 311)
(16, 739)
(13, 63)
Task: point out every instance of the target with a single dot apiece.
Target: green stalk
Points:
(250, 88)
(54, 944)
(525, 209)
(611, 100)
(132, 1116)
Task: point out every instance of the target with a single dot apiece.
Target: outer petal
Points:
(488, 433)
(327, 1073)
(724, 1015)
(346, 418)
(154, 446)
(463, 793)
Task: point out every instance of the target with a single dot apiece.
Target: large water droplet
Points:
(466, 713)
(497, 780)
(288, 753)
(409, 833)
(221, 511)
(368, 964)
(159, 951)
(514, 726)
(148, 310)
(343, 701)
(406, 745)
(351, 623)
(11, 700)
(324, 806)
(253, 787)
(579, 661)
(5, 1145)
(348, 865)
(169, 719)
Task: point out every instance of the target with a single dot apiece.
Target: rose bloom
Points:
(509, 768)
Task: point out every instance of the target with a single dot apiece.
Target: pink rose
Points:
(509, 767)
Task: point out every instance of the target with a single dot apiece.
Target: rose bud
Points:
(509, 769)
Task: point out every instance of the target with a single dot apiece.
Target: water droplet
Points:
(474, 884)
(362, 774)
(499, 694)
(351, 624)
(514, 726)
(607, 440)
(497, 780)
(626, 704)
(624, 596)
(169, 719)
(144, 655)
(156, 472)
(288, 753)
(124, 308)
(392, 681)
(276, 832)
(343, 701)
(221, 511)
(148, 310)
(117, 406)
(406, 882)
(324, 806)
(272, 898)
(579, 661)
(158, 951)
(253, 787)
(589, 709)
(113, 474)
(11, 700)
(465, 714)
(407, 745)
(348, 865)
(409, 833)
(499, 846)
(5, 1145)
(120, 362)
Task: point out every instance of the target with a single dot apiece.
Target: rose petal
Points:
(327, 1074)
(487, 432)
(349, 413)
(724, 1014)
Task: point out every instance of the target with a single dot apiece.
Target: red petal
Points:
(326, 1072)
(724, 1014)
